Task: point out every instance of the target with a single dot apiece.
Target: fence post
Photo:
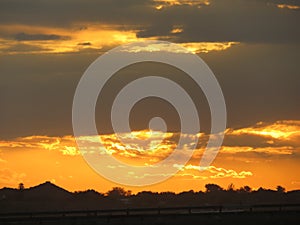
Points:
(220, 209)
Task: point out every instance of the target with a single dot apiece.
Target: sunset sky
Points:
(252, 46)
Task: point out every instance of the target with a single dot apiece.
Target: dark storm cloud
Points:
(230, 20)
(36, 93)
(222, 20)
(260, 82)
(38, 37)
(66, 12)
(85, 44)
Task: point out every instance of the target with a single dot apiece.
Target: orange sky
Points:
(255, 63)
(268, 160)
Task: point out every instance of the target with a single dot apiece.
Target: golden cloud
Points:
(99, 38)
(205, 47)
(285, 150)
(148, 147)
(66, 145)
(215, 172)
(97, 35)
(284, 130)
(286, 6)
(160, 4)
(192, 47)
(139, 147)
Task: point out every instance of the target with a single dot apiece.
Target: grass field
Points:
(218, 218)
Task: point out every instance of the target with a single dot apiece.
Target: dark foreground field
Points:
(172, 216)
(50, 204)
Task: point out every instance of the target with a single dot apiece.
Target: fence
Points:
(111, 213)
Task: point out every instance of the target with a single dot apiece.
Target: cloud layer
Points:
(149, 147)
(214, 20)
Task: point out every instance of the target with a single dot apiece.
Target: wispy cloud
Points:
(278, 138)
(160, 4)
(214, 172)
(38, 37)
(148, 147)
(284, 130)
(285, 150)
(206, 47)
(66, 145)
(9, 176)
(21, 39)
(287, 6)
(62, 40)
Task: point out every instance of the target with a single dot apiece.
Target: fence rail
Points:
(151, 211)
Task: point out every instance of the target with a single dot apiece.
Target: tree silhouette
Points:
(246, 189)
(280, 189)
(21, 187)
(118, 192)
(213, 188)
(50, 198)
(230, 187)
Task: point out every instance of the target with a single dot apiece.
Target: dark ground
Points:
(50, 204)
(244, 218)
